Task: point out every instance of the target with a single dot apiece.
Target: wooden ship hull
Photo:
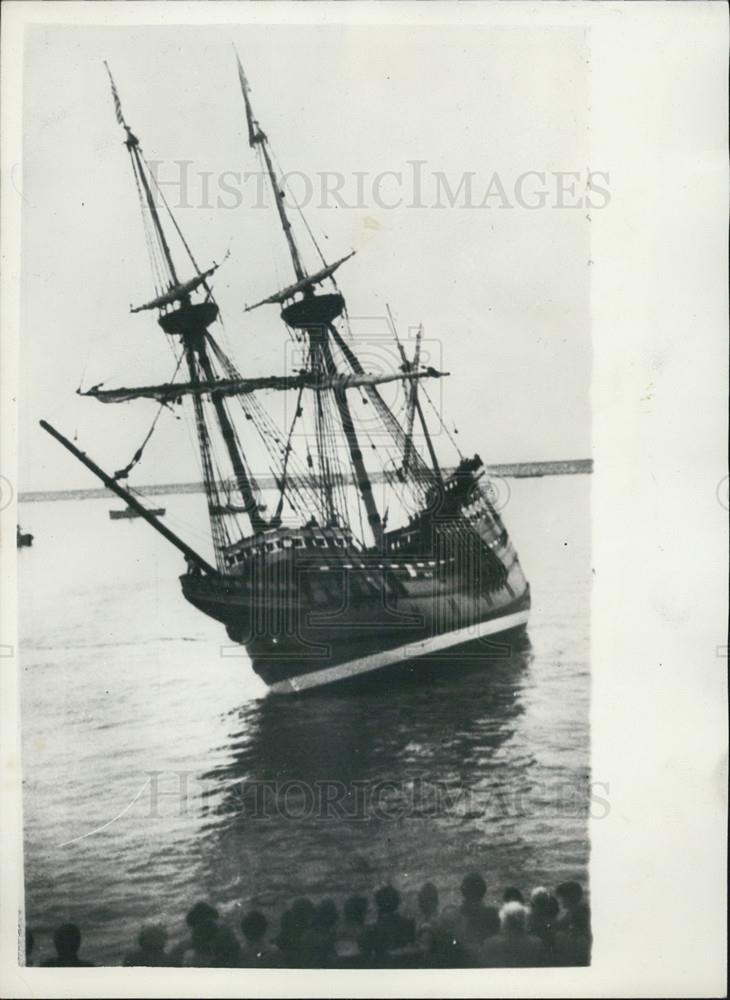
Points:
(299, 647)
(312, 610)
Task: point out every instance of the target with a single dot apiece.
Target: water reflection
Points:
(446, 723)
(324, 793)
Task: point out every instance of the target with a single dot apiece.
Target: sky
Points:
(502, 289)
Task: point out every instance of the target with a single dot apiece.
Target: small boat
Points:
(24, 539)
(116, 515)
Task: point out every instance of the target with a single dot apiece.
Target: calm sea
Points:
(157, 773)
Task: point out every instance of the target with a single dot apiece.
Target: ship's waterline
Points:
(457, 642)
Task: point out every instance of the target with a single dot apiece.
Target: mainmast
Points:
(257, 137)
(178, 315)
(314, 314)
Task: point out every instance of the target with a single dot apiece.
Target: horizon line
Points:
(517, 470)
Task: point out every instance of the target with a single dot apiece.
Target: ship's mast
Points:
(190, 322)
(314, 315)
(257, 137)
(414, 405)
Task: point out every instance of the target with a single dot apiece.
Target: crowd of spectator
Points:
(543, 929)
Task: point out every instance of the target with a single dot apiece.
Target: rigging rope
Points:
(287, 451)
(124, 473)
(152, 240)
(441, 421)
(269, 433)
(298, 208)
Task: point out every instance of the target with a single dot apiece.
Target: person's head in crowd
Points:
(543, 903)
(200, 913)
(254, 925)
(152, 940)
(570, 895)
(355, 910)
(203, 938)
(226, 949)
(325, 915)
(428, 900)
(512, 895)
(387, 900)
(513, 918)
(473, 888)
(576, 917)
(67, 941)
(29, 942)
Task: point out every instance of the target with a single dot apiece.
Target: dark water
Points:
(156, 773)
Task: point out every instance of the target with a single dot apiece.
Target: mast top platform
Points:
(313, 311)
(189, 319)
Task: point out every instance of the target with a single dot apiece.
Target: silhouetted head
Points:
(387, 899)
(203, 936)
(513, 917)
(200, 913)
(325, 916)
(152, 939)
(226, 949)
(67, 939)
(29, 942)
(473, 887)
(540, 900)
(254, 925)
(570, 894)
(512, 895)
(428, 899)
(355, 909)
(302, 911)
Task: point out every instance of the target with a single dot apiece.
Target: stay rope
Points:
(124, 473)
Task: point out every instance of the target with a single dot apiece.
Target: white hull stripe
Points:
(409, 651)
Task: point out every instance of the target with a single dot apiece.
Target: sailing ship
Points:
(323, 583)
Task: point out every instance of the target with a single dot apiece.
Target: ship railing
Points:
(283, 539)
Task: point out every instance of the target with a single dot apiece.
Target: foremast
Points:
(179, 316)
